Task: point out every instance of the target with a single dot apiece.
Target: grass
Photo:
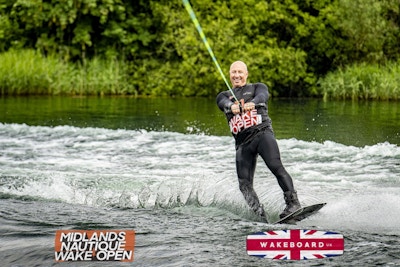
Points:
(27, 72)
(363, 81)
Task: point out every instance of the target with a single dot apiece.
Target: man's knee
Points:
(276, 167)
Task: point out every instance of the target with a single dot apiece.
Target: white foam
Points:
(129, 168)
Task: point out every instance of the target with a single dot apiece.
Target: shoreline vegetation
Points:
(27, 72)
(363, 81)
(342, 49)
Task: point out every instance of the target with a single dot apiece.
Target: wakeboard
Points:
(300, 214)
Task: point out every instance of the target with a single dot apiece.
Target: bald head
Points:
(238, 74)
(239, 64)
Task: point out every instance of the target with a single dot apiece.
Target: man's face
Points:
(238, 74)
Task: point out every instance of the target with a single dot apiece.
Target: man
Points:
(251, 127)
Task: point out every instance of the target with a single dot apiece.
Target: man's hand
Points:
(249, 106)
(246, 107)
(235, 109)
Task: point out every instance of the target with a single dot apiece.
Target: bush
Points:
(363, 81)
(27, 72)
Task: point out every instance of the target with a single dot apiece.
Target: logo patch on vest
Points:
(243, 121)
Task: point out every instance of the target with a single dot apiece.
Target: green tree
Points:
(287, 44)
(80, 29)
(235, 31)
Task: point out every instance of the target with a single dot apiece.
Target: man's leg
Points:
(246, 159)
(269, 151)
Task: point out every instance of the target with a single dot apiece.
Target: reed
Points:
(102, 77)
(27, 72)
(363, 81)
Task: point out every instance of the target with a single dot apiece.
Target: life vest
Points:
(239, 122)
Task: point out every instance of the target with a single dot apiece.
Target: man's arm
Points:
(260, 94)
(224, 102)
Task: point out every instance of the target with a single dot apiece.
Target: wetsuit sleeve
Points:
(260, 94)
(224, 102)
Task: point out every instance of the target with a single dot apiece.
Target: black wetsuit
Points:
(253, 139)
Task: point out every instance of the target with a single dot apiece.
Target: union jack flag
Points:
(295, 244)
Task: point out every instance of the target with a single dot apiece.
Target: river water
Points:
(165, 168)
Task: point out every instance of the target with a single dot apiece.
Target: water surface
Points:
(356, 123)
(165, 168)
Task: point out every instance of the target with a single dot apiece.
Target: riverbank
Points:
(363, 81)
(27, 72)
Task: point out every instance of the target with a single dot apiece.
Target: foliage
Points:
(363, 81)
(287, 44)
(77, 29)
(26, 72)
